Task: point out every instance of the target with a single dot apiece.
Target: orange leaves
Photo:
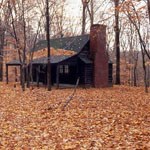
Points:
(111, 118)
(135, 9)
(43, 52)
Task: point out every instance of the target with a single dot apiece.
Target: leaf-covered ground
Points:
(111, 118)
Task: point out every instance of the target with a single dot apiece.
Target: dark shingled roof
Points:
(86, 60)
(75, 43)
(42, 60)
(54, 59)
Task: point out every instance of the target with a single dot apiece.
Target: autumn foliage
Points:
(110, 118)
(54, 52)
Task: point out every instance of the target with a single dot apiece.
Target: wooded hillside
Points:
(111, 118)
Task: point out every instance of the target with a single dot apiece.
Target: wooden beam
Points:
(37, 75)
(16, 75)
(20, 74)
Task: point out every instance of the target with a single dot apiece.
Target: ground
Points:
(110, 118)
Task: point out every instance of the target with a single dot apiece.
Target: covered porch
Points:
(65, 70)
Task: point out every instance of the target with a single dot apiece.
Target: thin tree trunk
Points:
(28, 77)
(135, 78)
(145, 72)
(2, 34)
(84, 4)
(48, 46)
(135, 75)
(24, 51)
(148, 75)
(32, 53)
(117, 42)
(148, 7)
(91, 12)
(83, 19)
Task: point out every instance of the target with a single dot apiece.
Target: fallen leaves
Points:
(111, 118)
(56, 52)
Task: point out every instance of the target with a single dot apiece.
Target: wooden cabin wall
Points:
(81, 72)
(88, 75)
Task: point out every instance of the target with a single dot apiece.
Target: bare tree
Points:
(48, 46)
(85, 4)
(20, 29)
(117, 41)
(148, 8)
(135, 19)
(2, 34)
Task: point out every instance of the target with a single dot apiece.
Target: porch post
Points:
(37, 75)
(57, 77)
(21, 74)
(7, 74)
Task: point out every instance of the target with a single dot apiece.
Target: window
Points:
(64, 69)
(61, 69)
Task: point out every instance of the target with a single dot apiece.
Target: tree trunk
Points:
(148, 75)
(24, 75)
(135, 74)
(83, 19)
(92, 13)
(48, 46)
(117, 42)
(148, 7)
(28, 77)
(2, 34)
(85, 4)
(145, 71)
(135, 77)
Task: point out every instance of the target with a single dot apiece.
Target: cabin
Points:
(90, 63)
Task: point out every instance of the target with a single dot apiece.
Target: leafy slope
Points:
(113, 118)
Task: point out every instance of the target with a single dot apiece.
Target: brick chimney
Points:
(99, 55)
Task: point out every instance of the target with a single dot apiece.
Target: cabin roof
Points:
(53, 59)
(75, 43)
(42, 60)
(86, 60)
